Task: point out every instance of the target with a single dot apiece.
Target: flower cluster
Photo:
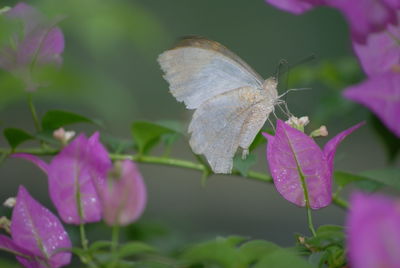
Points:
(380, 92)
(376, 41)
(373, 223)
(84, 186)
(40, 43)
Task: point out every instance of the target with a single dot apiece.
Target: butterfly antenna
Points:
(291, 66)
(309, 58)
(281, 63)
(293, 89)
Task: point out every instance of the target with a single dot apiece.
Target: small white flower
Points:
(5, 224)
(10, 202)
(4, 10)
(63, 136)
(298, 123)
(321, 132)
(303, 121)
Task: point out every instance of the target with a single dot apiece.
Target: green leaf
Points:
(97, 245)
(344, 178)
(47, 136)
(117, 145)
(259, 140)
(370, 180)
(55, 119)
(330, 229)
(16, 136)
(389, 176)
(232, 240)
(244, 165)
(327, 235)
(282, 258)
(255, 250)
(221, 251)
(146, 134)
(5, 263)
(134, 248)
(172, 124)
(146, 230)
(335, 257)
(78, 251)
(152, 264)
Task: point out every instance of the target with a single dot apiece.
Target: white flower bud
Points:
(303, 121)
(321, 132)
(63, 136)
(298, 123)
(5, 224)
(4, 10)
(10, 202)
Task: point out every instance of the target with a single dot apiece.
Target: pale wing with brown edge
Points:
(198, 69)
(227, 121)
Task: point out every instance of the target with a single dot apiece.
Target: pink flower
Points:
(364, 16)
(381, 53)
(381, 94)
(124, 196)
(373, 231)
(72, 175)
(40, 43)
(37, 235)
(295, 6)
(291, 155)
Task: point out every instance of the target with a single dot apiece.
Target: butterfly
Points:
(231, 101)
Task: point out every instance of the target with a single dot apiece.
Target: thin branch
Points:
(166, 161)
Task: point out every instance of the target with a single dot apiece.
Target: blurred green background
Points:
(110, 72)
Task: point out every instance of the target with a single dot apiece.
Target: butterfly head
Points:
(270, 83)
(270, 86)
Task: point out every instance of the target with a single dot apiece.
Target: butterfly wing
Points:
(227, 121)
(198, 69)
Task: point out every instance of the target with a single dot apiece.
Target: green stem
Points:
(34, 113)
(308, 207)
(35, 151)
(173, 162)
(340, 202)
(305, 189)
(183, 164)
(84, 240)
(310, 221)
(114, 238)
(87, 258)
(3, 156)
(114, 245)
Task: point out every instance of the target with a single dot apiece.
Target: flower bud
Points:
(124, 196)
(4, 10)
(321, 132)
(10, 202)
(63, 136)
(5, 224)
(298, 123)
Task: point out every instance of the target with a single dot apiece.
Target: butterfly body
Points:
(231, 101)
